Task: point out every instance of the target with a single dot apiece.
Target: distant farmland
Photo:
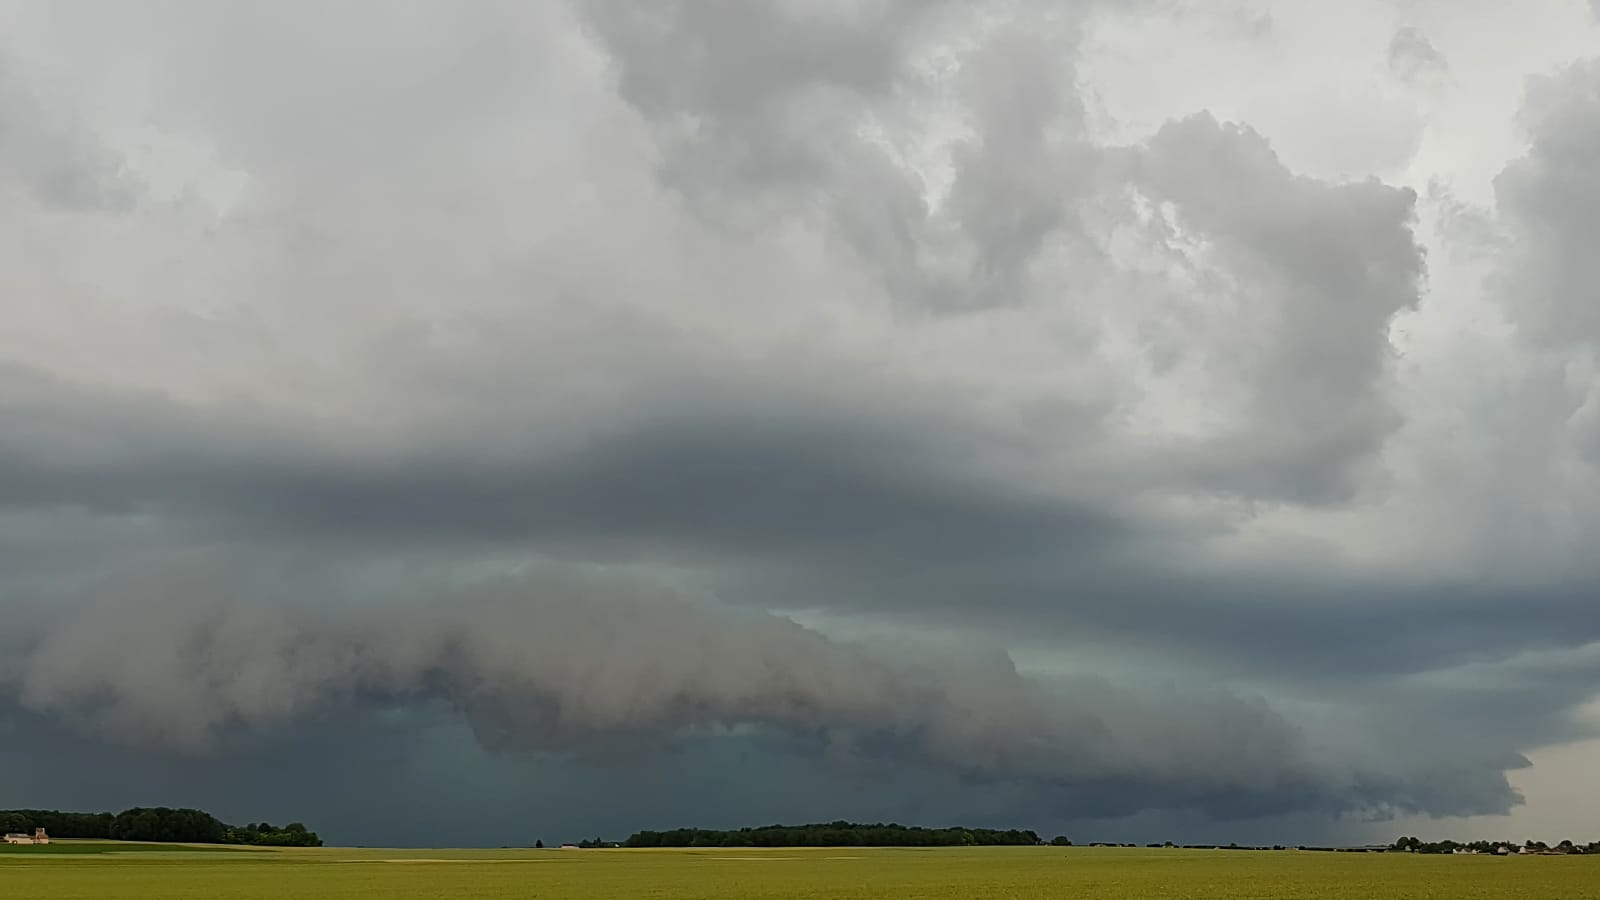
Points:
(92, 871)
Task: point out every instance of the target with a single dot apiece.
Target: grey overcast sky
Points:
(493, 421)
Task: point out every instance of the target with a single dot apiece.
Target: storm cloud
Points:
(945, 407)
(557, 664)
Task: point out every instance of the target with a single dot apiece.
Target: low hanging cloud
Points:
(581, 665)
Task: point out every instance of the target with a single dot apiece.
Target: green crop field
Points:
(93, 871)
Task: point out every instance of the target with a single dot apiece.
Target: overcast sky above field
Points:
(474, 423)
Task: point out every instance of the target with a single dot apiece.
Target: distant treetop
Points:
(834, 834)
(159, 824)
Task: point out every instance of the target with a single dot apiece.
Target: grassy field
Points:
(91, 870)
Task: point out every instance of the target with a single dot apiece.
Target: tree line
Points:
(1411, 844)
(833, 834)
(159, 824)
